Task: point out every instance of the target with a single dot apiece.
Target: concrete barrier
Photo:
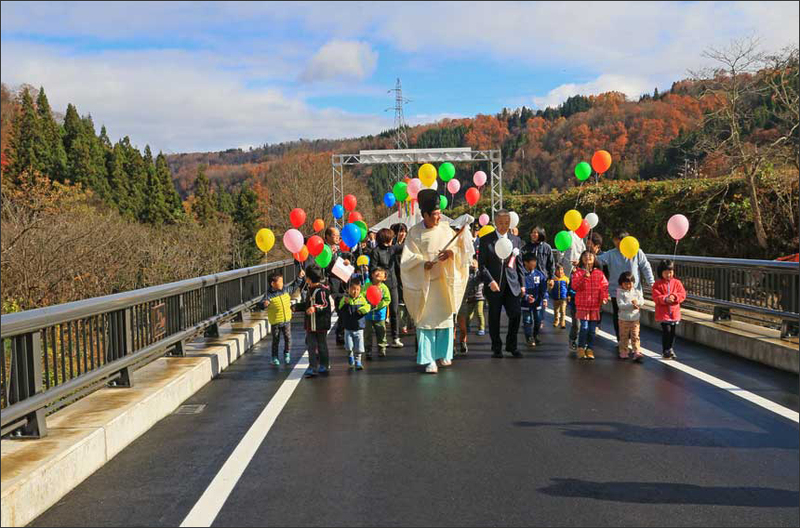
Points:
(85, 435)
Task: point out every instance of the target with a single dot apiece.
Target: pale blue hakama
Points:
(433, 344)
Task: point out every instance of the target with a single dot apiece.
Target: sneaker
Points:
(287, 358)
(310, 373)
(382, 352)
(359, 366)
(573, 346)
(462, 349)
(481, 333)
(670, 354)
(350, 360)
(581, 353)
(431, 368)
(589, 353)
(396, 343)
(555, 325)
(536, 341)
(323, 369)
(275, 361)
(530, 342)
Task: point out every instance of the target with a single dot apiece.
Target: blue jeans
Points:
(354, 341)
(531, 321)
(586, 337)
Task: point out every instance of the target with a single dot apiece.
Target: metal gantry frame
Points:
(419, 156)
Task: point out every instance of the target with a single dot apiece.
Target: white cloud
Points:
(630, 86)
(341, 60)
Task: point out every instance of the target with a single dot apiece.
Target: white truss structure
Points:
(420, 156)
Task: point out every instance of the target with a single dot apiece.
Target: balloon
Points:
(265, 239)
(593, 220)
(442, 201)
(563, 240)
(293, 240)
(434, 185)
(453, 186)
(473, 195)
(503, 248)
(485, 230)
(479, 179)
(389, 200)
(583, 229)
(514, 220)
(315, 245)
(324, 258)
(338, 211)
(374, 295)
(583, 170)
(427, 174)
(629, 247)
(363, 260)
(446, 171)
(400, 191)
(362, 228)
(351, 235)
(318, 225)
(414, 188)
(297, 217)
(601, 161)
(302, 255)
(678, 226)
(483, 219)
(572, 219)
(355, 216)
(343, 247)
(350, 202)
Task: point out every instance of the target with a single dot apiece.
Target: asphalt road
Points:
(542, 440)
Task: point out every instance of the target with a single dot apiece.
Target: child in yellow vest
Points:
(278, 302)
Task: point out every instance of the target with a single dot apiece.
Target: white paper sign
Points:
(342, 271)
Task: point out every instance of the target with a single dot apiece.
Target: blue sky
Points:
(199, 76)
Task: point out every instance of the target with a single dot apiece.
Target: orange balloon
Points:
(301, 255)
(601, 161)
(319, 225)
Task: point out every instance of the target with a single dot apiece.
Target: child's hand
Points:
(266, 303)
(530, 299)
(301, 274)
(310, 311)
(605, 301)
(635, 303)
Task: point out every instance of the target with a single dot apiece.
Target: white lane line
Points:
(721, 384)
(213, 499)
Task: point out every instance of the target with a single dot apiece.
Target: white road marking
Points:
(724, 385)
(213, 499)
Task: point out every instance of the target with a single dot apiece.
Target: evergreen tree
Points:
(51, 148)
(203, 208)
(226, 203)
(246, 218)
(171, 196)
(104, 139)
(136, 174)
(118, 180)
(155, 206)
(22, 150)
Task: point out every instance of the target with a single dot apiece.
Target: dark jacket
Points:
(536, 287)
(352, 311)
(319, 297)
(490, 265)
(474, 290)
(388, 259)
(544, 257)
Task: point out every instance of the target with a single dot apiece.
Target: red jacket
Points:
(590, 292)
(661, 289)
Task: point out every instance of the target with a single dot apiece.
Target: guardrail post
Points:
(36, 426)
(213, 330)
(125, 380)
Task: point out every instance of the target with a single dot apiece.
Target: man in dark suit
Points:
(505, 284)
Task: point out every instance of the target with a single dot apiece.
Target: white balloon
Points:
(503, 248)
(592, 219)
(514, 219)
(434, 185)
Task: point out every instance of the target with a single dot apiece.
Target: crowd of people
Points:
(432, 279)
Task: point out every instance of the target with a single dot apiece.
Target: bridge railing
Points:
(53, 356)
(764, 291)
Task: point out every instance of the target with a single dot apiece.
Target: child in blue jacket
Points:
(534, 300)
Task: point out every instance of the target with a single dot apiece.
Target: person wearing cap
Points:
(434, 280)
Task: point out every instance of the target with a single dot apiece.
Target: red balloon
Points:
(301, 255)
(344, 247)
(583, 229)
(315, 245)
(349, 202)
(297, 217)
(374, 295)
(318, 226)
(601, 161)
(355, 216)
(473, 195)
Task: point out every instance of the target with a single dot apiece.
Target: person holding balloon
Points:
(591, 293)
(400, 232)
(318, 308)
(278, 303)
(337, 287)
(379, 297)
(385, 256)
(668, 294)
(352, 309)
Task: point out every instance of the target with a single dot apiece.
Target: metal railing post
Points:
(125, 380)
(29, 358)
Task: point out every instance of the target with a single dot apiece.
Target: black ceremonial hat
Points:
(428, 200)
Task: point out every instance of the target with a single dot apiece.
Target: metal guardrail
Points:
(53, 356)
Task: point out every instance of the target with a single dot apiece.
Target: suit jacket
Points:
(490, 265)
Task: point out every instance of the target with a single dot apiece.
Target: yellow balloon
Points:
(485, 230)
(363, 260)
(629, 247)
(265, 239)
(572, 219)
(427, 174)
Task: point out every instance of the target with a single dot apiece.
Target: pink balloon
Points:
(414, 186)
(453, 186)
(483, 219)
(678, 226)
(293, 240)
(479, 179)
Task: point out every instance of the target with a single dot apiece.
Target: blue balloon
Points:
(338, 211)
(389, 200)
(351, 235)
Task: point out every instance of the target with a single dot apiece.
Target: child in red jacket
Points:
(668, 294)
(591, 293)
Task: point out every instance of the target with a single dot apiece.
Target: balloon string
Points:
(580, 190)
(596, 183)
(676, 250)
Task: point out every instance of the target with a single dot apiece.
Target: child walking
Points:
(629, 301)
(591, 293)
(471, 306)
(534, 300)
(376, 318)
(318, 307)
(559, 294)
(352, 309)
(278, 303)
(668, 294)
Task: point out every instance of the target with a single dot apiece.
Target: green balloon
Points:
(583, 170)
(563, 240)
(446, 172)
(400, 191)
(442, 202)
(324, 258)
(363, 228)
